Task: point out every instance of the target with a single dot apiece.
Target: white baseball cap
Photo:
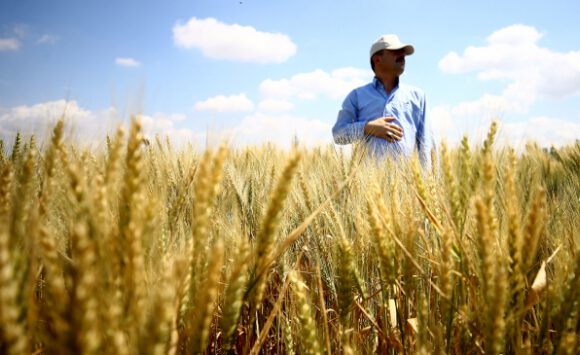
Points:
(390, 42)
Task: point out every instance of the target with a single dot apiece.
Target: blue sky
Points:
(256, 71)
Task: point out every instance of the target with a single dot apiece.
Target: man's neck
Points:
(389, 82)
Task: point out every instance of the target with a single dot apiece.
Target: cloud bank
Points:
(512, 55)
(127, 62)
(47, 39)
(309, 86)
(221, 104)
(218, 40)
(9, 44)
(87, 127)
(279, 129)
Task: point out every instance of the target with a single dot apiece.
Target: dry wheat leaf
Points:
(393, 312)
(538, 286)
(413, 324)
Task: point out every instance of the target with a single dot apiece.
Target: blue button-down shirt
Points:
(406, 103)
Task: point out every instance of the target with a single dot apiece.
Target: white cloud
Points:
(448, 125)
(88, 128)
(276, 88)
(443, 121)
(9, 44)
(546, 131)
(494, 105)
(281, 129)
(47, 39)
(307, 86)
(272, 105)
(39, 120)
(163, 125)
(529, 72)
(221, 103)
(127, 62)
(513, 54)
(14, 42)
(175, 117)
(506, 49)
(218, 40)
(21, 30)
(85, 126)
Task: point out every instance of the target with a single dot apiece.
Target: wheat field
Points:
(139, 248)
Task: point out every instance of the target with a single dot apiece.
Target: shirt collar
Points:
(378, 84)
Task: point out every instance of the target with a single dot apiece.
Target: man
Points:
(389, 116)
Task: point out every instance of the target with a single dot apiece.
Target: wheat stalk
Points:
(12, 330)
(234, 293)
(205, 302)
(309, 338)
(264, 240)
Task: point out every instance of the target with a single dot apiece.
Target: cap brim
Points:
(409, 49)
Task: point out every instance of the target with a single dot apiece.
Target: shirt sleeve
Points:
(425, 137)
(347, 128)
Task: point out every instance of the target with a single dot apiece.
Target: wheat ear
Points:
(466, 181)
(156, 335)
(265, 238)
(490, 139)
(206, 298)
(345, 280)
(234, 294)
(6, 178)
(84, 317)
(384, 246)
(16, 154)
(515, 248)
(534, 227)
(130, 252)
(308, 333)
(451, 186)
(2, 152)
(493, 280)
(13, 332)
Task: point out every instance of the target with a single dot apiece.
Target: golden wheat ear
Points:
(206, 300)
(155, 335)
(16, 153)
(14, 337)
(309, 336)
(6, 178)
(534, 227)
(234, 294)
(269, 225)
(493, 278)
(451, 187)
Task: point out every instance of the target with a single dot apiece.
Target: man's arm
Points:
(425, 137)
(347, 129)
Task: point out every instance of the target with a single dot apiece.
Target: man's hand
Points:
(383, 128)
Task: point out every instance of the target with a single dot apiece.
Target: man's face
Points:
(392, 61)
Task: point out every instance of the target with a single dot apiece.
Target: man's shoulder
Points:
(412, 91)
(364, 87)
(360, 91)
